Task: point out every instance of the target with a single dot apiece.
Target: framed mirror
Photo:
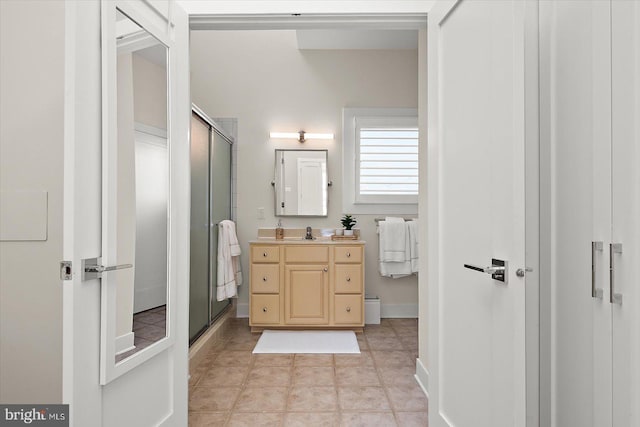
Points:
(136, 292)
(301, 183)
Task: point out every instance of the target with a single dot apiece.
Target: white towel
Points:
(229, 274)
(393, 236)
(413, 244)
(398, 265)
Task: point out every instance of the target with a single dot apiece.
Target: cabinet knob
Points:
(325, 269)
(348, 279)
(264, 279)
(348, 254)
(264, 309)
(264, 254)
(348, 309)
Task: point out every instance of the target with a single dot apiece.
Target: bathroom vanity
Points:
(306, 284)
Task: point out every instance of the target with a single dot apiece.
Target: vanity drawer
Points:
(348, 254)
(348, 310)
(265, 278)
(306, 254)
(348, 279)
(265, 309)
(265, 254)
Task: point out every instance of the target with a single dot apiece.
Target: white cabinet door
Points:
(625, 209)
(579, 72)
(476, 185)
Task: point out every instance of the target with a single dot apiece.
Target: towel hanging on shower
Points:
(229, 273)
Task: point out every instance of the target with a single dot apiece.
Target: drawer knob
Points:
(264, 254)
(348, 254)
(348, 309)
(348, 279)
(264, 309)
(264, 279)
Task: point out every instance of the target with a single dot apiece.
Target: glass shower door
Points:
(199, 268)
(220, 206)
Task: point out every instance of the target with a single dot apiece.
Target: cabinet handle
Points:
(264, 309)
(348, 309)
(614, 298)
(595, 292)
(325, 269)
(264, 279)
(348, 279)
(348, 254)
(264, 254)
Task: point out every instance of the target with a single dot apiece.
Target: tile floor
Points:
(233, 387)
(148, 327)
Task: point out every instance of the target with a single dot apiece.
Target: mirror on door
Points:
(142, 181)
(301, 183)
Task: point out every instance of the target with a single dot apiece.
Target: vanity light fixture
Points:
(301, 136)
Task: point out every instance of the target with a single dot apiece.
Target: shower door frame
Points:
(213, 127)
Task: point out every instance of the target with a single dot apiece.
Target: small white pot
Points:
(339, 231)
(348, 232)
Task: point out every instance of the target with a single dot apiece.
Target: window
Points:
(380, 160)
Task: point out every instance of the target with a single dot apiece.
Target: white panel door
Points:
(150, 389)
(625, 211)
(476, 213)
(580, 69)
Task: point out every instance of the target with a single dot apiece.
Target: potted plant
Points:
(348, 222)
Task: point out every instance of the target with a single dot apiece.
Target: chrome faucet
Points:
(308, 236)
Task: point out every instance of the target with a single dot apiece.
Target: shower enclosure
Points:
(211, 203)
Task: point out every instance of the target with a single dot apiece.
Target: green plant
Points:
(348, 222)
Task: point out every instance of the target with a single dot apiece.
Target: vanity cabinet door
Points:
(306, 294)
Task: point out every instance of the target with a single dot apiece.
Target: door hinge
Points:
(66, 272)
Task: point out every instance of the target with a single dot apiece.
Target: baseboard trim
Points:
(242, 310)
(125, 342)
(200, 348)
(422, 377)
(398, 311)
(149, 298)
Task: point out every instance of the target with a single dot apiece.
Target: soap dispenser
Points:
(279, 231)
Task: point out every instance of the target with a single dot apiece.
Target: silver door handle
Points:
(614, 298)
(498, 269)
(490, 270)
(92, 268)
(595, 292)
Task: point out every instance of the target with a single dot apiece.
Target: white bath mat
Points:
(307, 342)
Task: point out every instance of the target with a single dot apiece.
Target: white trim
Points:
(312, 21)
(399, 311)
(242, 310)
(151, 130)
(349, 158)
(125, 343)
(422, 377)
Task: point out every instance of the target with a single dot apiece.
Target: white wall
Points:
(261, 78)
(31, 111)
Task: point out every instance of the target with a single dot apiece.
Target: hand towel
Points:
(413, 244)
(229, 274)
(392, 240)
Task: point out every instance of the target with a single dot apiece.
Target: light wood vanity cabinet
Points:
(307, 285)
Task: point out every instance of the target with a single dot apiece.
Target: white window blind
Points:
(388, 161)
(380, 160)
